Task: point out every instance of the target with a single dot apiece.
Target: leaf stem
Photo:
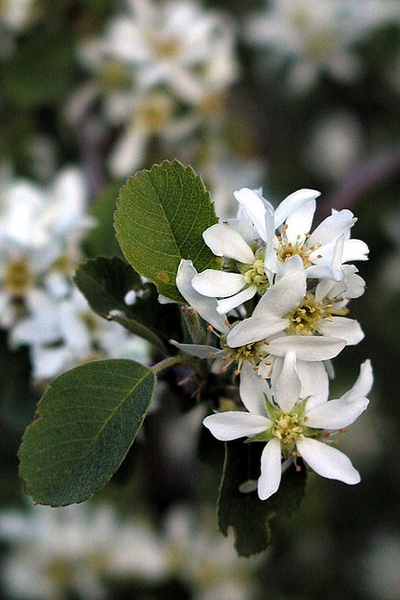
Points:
(167, 363)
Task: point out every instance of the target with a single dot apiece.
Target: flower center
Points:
(114, 75)
(255, 274)
(18, 278)
(167, 48)
(157, 111)
(254, 353)
(287, 428)
(306, 318)
(288, 249)
(320, 45)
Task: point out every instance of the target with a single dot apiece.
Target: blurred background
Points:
(278, 94)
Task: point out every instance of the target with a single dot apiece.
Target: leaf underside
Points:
(84, 426)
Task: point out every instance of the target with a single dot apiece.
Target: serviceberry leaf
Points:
(84, 426)
(160, 218)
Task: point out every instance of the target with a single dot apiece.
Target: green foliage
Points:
(245, 512)
(161, 215)
(84, 426)
(40, 71)
(105, 282)
(101, 241)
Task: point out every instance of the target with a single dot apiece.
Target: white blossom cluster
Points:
(41, 231)
(311, 38)
(279, 308)
(161, 70)
(82, 549)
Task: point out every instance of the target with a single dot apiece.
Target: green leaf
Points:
(105, 282)
(245, 512)
(161, 215)
(84, 426)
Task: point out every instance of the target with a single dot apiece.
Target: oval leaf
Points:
(84, 426)
(160, 217)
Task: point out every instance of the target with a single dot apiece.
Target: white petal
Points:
(309, 348)
(327, 461)
(314, 382)
(218, 284)
(355, 250)
(363, 384)
(355, 286)
(256, 208)
(288, 386)
(242, 225)
(299, 221)
(206, 307)
(227, 304)
(282, 297)
(336, 414)
(323, 272)
(343, 328)
(271, 472)
(292, 265)
(293, 202)
(225, 241)
(128, 152)
(254, 329)
(253, 390)
(332, 228)
(233, 425)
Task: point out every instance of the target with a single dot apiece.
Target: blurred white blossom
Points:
(40, 234)
(313, 37)
(80, 549)
(62, 333)
(205, 560)
(58, 551)
(161, 70)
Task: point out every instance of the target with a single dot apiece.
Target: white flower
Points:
(253, 254)
(288, 317)
(161, 70)
(294, 427)
(254, 360)
(175, 44)
(248, 241)
(323, 251)
(40, 234)
(261, 358)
